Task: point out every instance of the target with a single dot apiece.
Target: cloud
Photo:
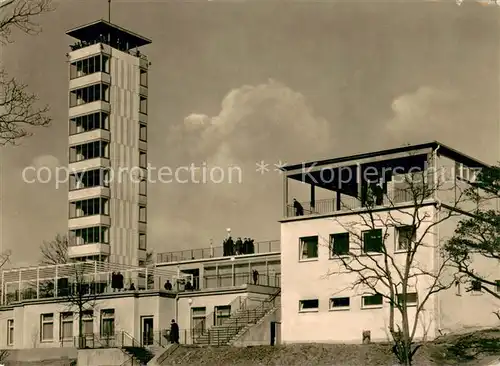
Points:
(196, 120)
(41, 167)
(45, 161)
(256, 122)
(268, 121)
(422, 114)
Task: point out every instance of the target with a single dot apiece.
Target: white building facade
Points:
(322, 300)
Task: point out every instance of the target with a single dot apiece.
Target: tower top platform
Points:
(114, 34)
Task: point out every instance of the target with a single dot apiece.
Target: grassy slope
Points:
(467, 349)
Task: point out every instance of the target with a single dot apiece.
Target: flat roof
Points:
(443, 150)
(91, 31)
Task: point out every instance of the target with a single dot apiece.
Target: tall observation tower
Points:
(108, 97)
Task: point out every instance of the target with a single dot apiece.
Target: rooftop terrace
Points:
(92, 278)
(388, 175)
(263, 247)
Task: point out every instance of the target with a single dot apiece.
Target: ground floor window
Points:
(66, 326)
(222, 313)
(10, 332)
(108, 323)
(47, 327)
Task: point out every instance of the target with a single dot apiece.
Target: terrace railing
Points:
(326, 206)
(271, 246)
(82, 279)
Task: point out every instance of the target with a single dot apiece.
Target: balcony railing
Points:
(103, 40)
(348, 203)
(272, 246)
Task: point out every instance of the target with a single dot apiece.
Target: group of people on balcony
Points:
(238, 247)
(187, 286)
(120, 45)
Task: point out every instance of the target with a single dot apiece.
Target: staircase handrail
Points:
(259, 308)
(97, 338)
(135, 342)
(201, 329)
(233, 326)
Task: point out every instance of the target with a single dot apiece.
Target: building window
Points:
(198, 319)
(143, 132)
(10, 332)
(143, 105)
(88, 179)
(143, 184)
(47, 327)
(90, 65)
(405, 235)
(476, 286)
(142, 241)
(90, 150)
(142, 214)
(339, 244)
(309, 247)
(371, 301)
(89, 122)
(372, 241)
(88, 322)
(411, 298)
(143, 159)
(90, 207)
(144, 77)
(222, 313)
(66, 326)
(89, 235)
(108, 323)
(308, 305)
(89, 94)
(339, 303)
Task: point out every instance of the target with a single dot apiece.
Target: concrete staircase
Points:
(238, 323)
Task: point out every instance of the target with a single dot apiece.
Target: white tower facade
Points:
(108, 118)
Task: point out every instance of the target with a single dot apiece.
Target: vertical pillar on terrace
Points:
(233, 275)
(95, 276)
(37, 282)
(359, 180)
(285, 195)
(55, 281)
(313, 197)
(217, 279)
(4, 288)
(19, 285)
(267, 272)
(338, 201)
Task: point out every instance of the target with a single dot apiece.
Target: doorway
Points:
(147, 330)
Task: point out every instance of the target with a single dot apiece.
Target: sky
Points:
(233, 83)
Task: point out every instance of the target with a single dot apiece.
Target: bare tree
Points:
(80, 291)
(404, 276)
(477, 235)
(54, 251)
(17, 106)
